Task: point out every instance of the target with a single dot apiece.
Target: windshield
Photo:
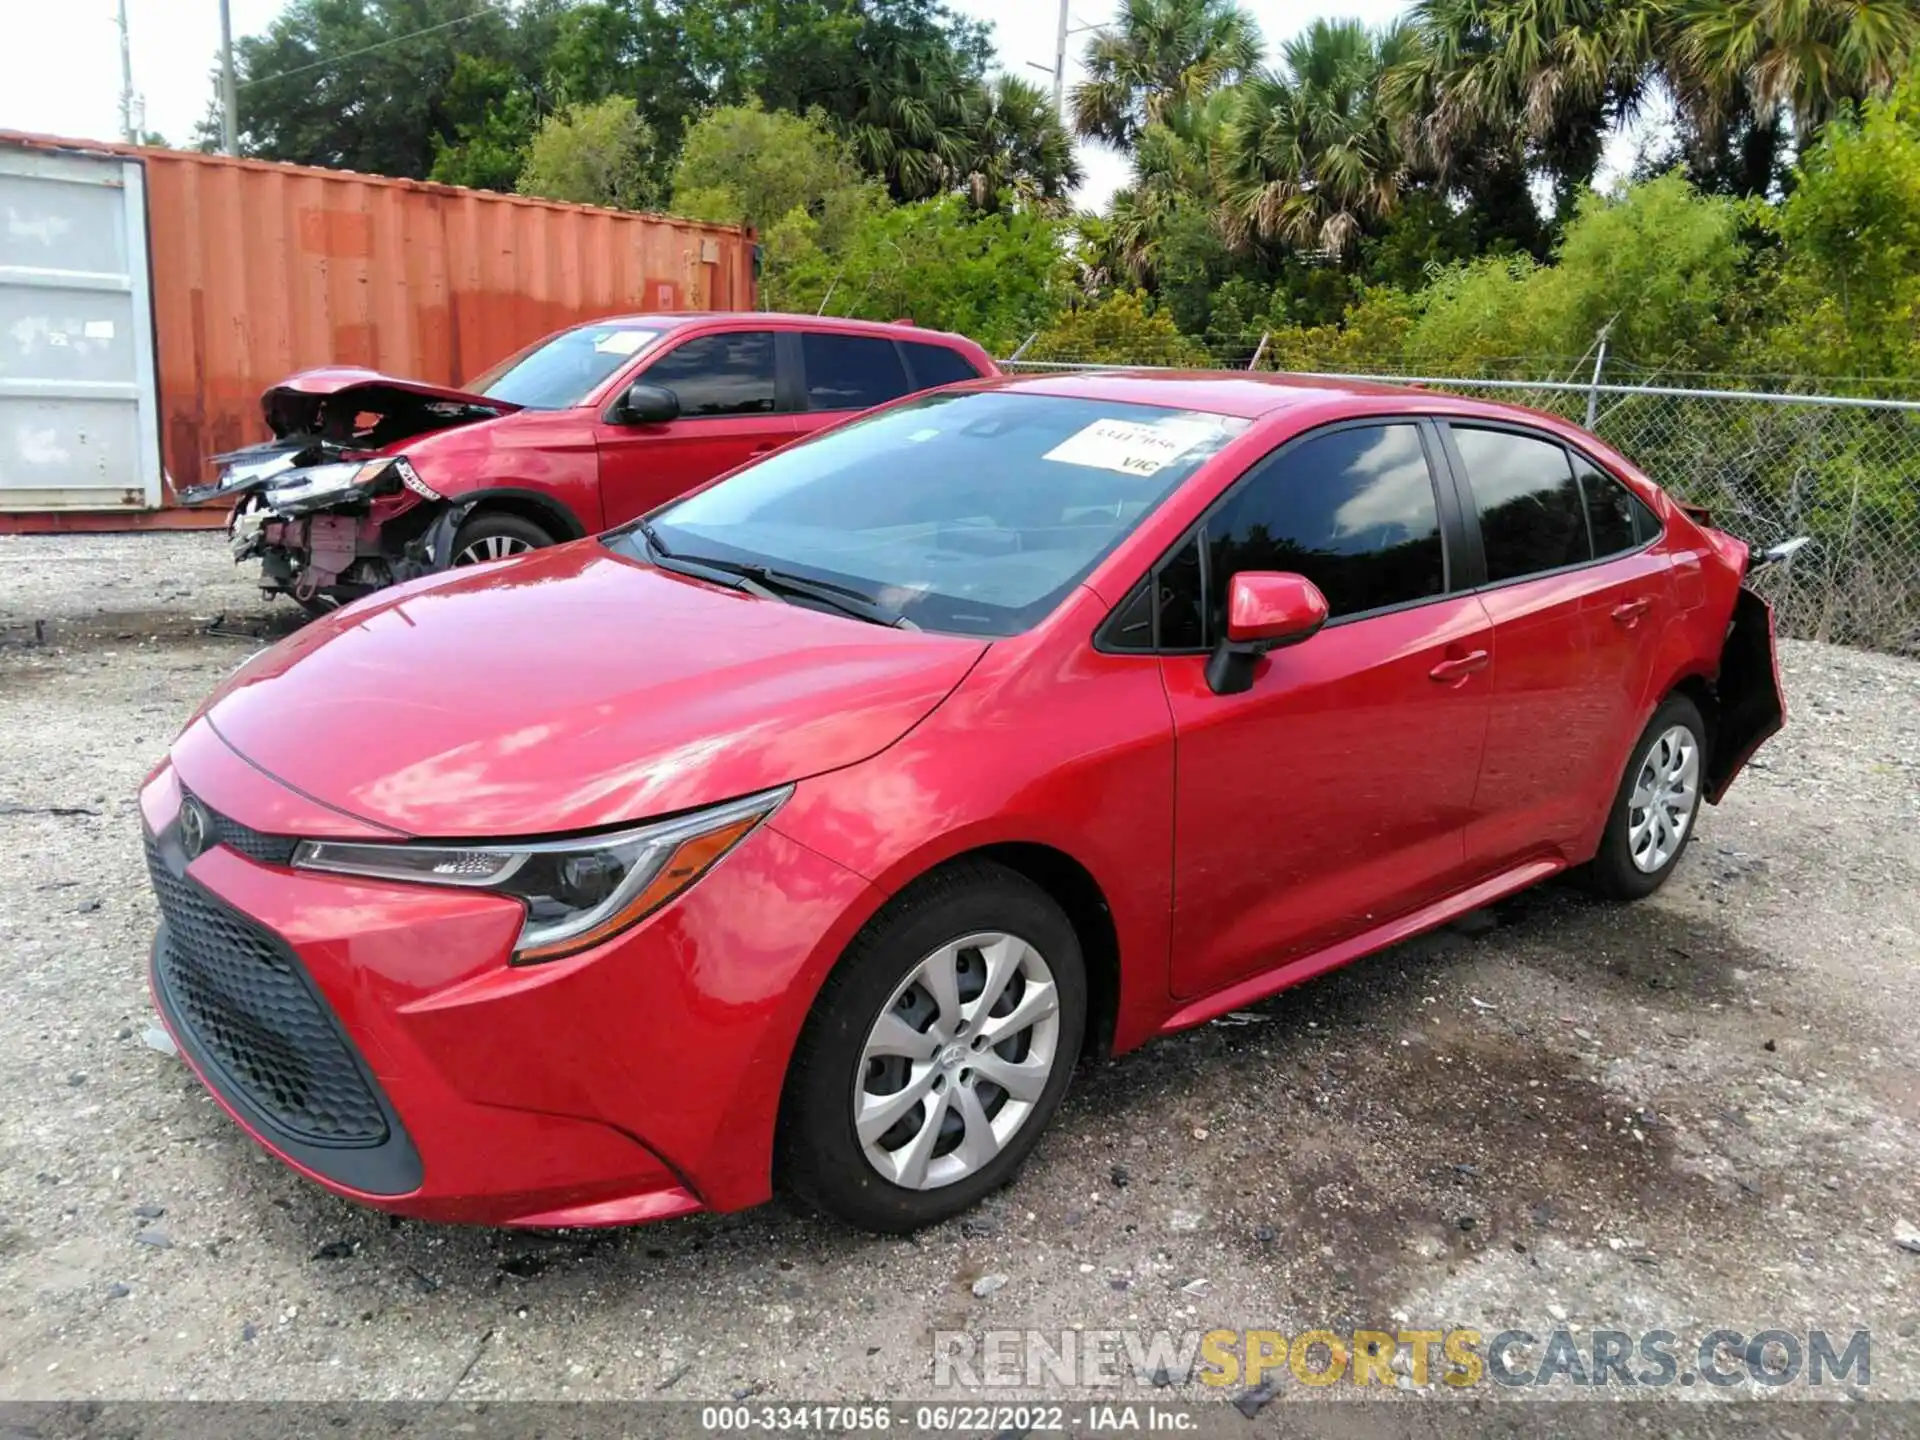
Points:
(563, 371)
(973, 513)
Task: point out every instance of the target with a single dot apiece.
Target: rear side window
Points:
(1531, 514)
(851, 372)
(1353, 511)
(937, 365)
(1615, 515)
(730, 374)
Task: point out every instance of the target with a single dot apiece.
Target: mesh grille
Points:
(267, 849)
(254, 1013)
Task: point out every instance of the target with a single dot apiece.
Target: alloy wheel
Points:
(1665, 793)
(491, 547)
(957, 1060)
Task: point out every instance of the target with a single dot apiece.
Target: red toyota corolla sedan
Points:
(810, 830)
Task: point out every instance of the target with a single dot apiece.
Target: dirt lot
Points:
(1696, 1112)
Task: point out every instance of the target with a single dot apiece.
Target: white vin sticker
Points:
(1128, 446)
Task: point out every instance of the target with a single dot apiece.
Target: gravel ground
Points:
(1703, 1110)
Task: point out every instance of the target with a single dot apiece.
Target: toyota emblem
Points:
(193, 828)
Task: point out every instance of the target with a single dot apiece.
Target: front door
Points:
(1333, 795)
(732, 408)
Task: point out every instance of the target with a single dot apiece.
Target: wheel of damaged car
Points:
(496, 535)
(936, 1053)
(1655, 808)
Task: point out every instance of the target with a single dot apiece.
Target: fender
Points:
(434, 549)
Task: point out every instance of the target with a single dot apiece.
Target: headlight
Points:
(577, 892)
(334, 479)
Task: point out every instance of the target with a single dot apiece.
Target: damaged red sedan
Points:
(809, 831)
(369, 480)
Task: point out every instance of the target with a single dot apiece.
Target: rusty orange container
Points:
(260, 269)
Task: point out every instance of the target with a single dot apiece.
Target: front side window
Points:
(851, 372)
(973, 513)
(726, 374)
(1531, 514)
(563, 371)
(1353, 511)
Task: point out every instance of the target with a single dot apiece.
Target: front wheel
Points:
(1656, 806)
(495, 535)
(936, 1053)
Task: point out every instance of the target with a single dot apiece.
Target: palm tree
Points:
(909, 126)
(1748, 76)
(1309, 155)
(1018, 146)
(1554, 75)
(1156, 56)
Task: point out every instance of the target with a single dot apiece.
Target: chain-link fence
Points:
(1768, 466)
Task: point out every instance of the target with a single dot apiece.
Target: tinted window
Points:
(1183, 619)
(937, 365)
(1352, 511)
(563, 371)
(1015, 497)
(719, 374)
(1531, 518)
(1617, 520)
(851, 372)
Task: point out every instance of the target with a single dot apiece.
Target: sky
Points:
(60, 66)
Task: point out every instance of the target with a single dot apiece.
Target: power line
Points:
(364, 50)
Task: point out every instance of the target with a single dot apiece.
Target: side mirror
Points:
(649, 404)
(1265, 611)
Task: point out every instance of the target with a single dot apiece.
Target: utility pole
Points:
(229, 104)
(1060, 62)
(127, 132)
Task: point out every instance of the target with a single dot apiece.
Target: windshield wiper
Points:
(713, 573)
(843, 598)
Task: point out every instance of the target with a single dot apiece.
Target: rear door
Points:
(733, 406)
(1332, 796)
(1575, 595)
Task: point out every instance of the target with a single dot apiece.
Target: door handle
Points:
(1629, 612)
(1449, 672)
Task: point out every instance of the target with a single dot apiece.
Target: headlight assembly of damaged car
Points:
(577, 892)
(319, 483)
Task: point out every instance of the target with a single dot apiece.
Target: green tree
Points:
(1119, 330)
(592, 155)
(748, 163)
(367, 84)
(1848, 298)
(1159, 55)
(1309, 151)
(496, 125)
(997, 277)
(1017, 148)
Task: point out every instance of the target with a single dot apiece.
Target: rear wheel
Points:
(496, 535)
(936, 1053)
(1655, 808)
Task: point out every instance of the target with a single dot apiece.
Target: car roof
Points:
(1248, 396)
(676, 319)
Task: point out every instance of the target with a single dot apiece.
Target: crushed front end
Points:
(331, 507)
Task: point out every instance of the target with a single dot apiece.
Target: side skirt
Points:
(1272, 982)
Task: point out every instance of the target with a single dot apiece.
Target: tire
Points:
(938, 1162)
(1639, 849)
(498, 532)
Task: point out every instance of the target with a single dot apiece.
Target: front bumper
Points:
(373, 1036)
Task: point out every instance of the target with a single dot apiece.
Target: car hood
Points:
(296, 404)
(571, 689)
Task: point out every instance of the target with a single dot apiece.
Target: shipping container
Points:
(254, 270)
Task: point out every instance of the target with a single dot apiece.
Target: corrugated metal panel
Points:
(78, 417)
(262, 269)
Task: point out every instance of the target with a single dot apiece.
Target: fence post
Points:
(1593, 387)
(1259, 350)
(1023, 347)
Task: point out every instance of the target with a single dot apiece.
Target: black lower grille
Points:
(256, 1015)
